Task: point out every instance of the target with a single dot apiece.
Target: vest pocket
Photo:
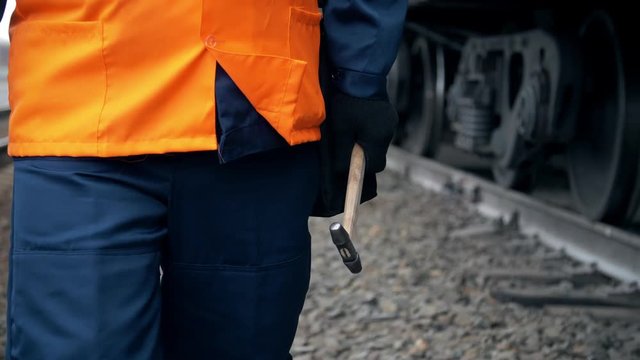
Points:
(304, 45)
(304, 34)
(57, 81)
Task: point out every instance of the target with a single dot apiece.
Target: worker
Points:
(166, 162)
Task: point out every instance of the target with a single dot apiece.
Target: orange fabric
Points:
(116, 77)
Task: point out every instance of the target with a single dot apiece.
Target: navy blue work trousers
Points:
(90, 236)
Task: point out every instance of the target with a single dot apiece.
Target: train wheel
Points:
(602, 155)
(421, 130)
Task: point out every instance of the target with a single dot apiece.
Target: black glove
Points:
(371, 124)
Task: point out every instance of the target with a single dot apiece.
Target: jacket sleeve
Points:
(362, 39)
(3, 4)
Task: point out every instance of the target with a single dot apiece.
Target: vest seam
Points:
(284, 93)
(106, 89)
(289, 30)
(110, 142)
(242, 53)
(300, 136)
(293, 132)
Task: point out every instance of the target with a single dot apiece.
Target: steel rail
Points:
(613, 251)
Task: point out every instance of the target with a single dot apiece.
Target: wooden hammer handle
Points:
(354, 190)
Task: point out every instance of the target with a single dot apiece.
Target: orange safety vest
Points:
(127, 77)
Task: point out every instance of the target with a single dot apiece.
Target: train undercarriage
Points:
(525, 84)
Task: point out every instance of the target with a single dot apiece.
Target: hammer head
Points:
(342, 240)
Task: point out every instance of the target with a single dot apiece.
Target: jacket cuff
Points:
(359, 84)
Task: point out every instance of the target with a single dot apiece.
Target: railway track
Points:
(613, 251)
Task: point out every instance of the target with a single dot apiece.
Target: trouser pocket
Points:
(233, 312)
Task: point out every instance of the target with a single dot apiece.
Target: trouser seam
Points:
(114, 252)
(10, 305)
(238, 268)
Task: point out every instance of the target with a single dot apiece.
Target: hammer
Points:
(342, 235)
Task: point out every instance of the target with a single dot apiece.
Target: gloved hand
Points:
(371, 124)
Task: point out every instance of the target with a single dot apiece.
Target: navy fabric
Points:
(89, 236)
(241, 129)
(362, 41)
